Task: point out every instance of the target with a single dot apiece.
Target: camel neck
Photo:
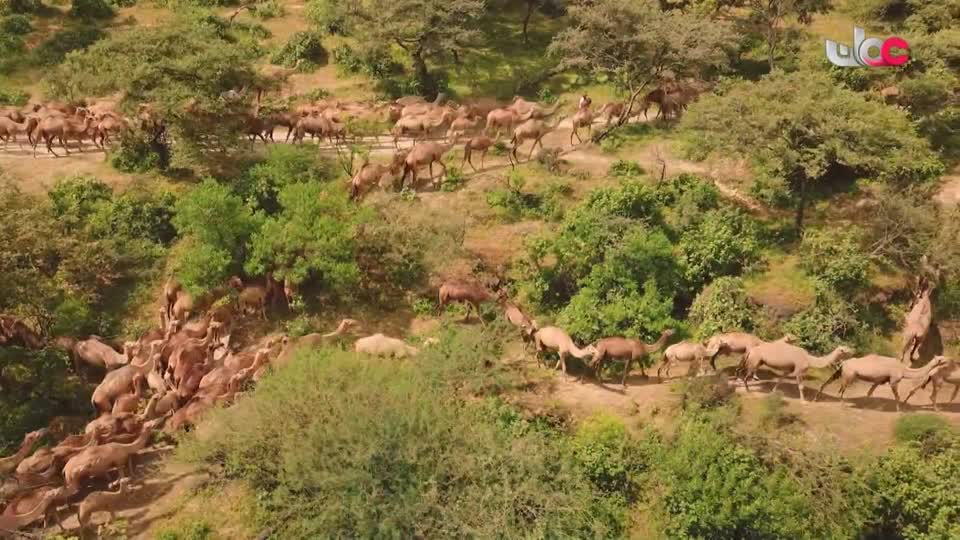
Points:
(824, 361)
(920, 372)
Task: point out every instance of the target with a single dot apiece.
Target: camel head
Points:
(843, 352)
(590, 350)
(939, 362)
(34, 436)
(714, 345)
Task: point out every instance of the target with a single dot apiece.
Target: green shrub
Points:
(8, 7)
(723, 306)
(327, 15)
(52, 51)
(136, 154)
(829, 323)
(834, 258)
(699, 393)
(774, 413)
(269, 9)
(137, 214)
(365, 448)
(75, 199)
(13, 97)
(261, 184)
(513, 203)
(11, 45)
(606, 453)
(920, 427)
(723, 243)
(453, 179)
(623, 168)
(192, 530)
(545, 95)
(91, 9)
(304, 51)
(16, 25)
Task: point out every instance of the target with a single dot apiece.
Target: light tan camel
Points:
(128, 403)
(611, 110)
(103, 501)
(917, 326)
(11, 129)
(947, 373)
(738, 343)
(424, 154)
(518, 318)
(40, 511)
(373, 175)
(381, 345)
(687, 351)
(504, 119)
(583, 118)
(120, 381)
(551, 338)
(531, 130)
(97, 461)
(462, 125)
(784, 357)
(96, 353)
(480, 144)
(628, 351)
(10, 463)
(419, 126)
(879, 370)
(113, 427)
(466, 292)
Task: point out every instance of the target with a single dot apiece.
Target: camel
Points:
(949, 372)
(251, 298)
(107, 125)
(171, 293)
(535, 110)
(583, 118)
(128, 403)
(370, 175)
(418, 126)
(737, 342)
(102, 501)
(315, 125)
(113, 427)
(96, 353)
(40, 511)
(555, 339)
(611, 110)
(199, 404)
(518, 318)
(480, 144)
(160, 405)
(61, 128)
(381, 345)
(15, 332)
(531, 130)
(12, 128)
(470, 293)
(504, 119)
(917, 326)
(688, 351)
(96, 461)
(879, 370)
(780, 357)
(10, 463)
(425, 154)
(628, 351)
(120, 381)
(192, 353)
(461, 126)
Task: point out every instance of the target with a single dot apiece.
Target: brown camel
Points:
(38, 512)
(63, 129)
(128, 403)
(316, 125)
(192, 353)
(555, 339)
(784, 357)
(10, 463)
(947, 373)
(95, 352)
(480, 144)
(97, 461)
(371, 175)
(14, 332)
(583, 118)
(250, 298)
(611, 110)
(737, 343)
(425, 154)
(687, 351)
(504, 119)
(470, 293)
(120, 381)
(10, 129)
(103, 501)
(879, 370)
(419, 126)
(628, 351)
(531, 130)
(917, 326)
(462, 125)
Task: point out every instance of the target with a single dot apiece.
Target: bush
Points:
(829, 323)
(261, 184)
(137, 154)
(75, 199)
(13, 97)
(17, 25)
(623, 168)
(514, 204)
(920, 427)
(9, 7)
(52, 51)
(304, 51)
(723, 306)
(608, 456)
(327, 15)
(453, 179)
(773, 414)
(269, 9)
(91, 9)
(700, 393)
(394, 451)
(723, 243)
(834, 258)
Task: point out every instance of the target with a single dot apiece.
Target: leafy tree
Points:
(723, 306)
(771, 16)
(835, 259)
(218, 225)
(311, 237)
(724, 243)
(635, 45)
(822, 133)
(182, 69)
(424, 29)
(831, 321)
(260, 185)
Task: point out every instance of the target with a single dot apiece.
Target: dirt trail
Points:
(949, 194)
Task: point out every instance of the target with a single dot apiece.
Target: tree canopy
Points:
(822, 132)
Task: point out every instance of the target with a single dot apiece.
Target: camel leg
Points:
(745, 377)
(933, 395)
(483, 157)
(799, 377)
(872, 389)
(956, 389)
(479, 315)
(835, 376)
(442, 175)
(626, 372)
(896, 393)
(572, 133)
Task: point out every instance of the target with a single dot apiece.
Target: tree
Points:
(311, 237)
(423, 29)
(771, 15)
(634, 44)
(217, 225)
(182, 70)
(822, 133)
